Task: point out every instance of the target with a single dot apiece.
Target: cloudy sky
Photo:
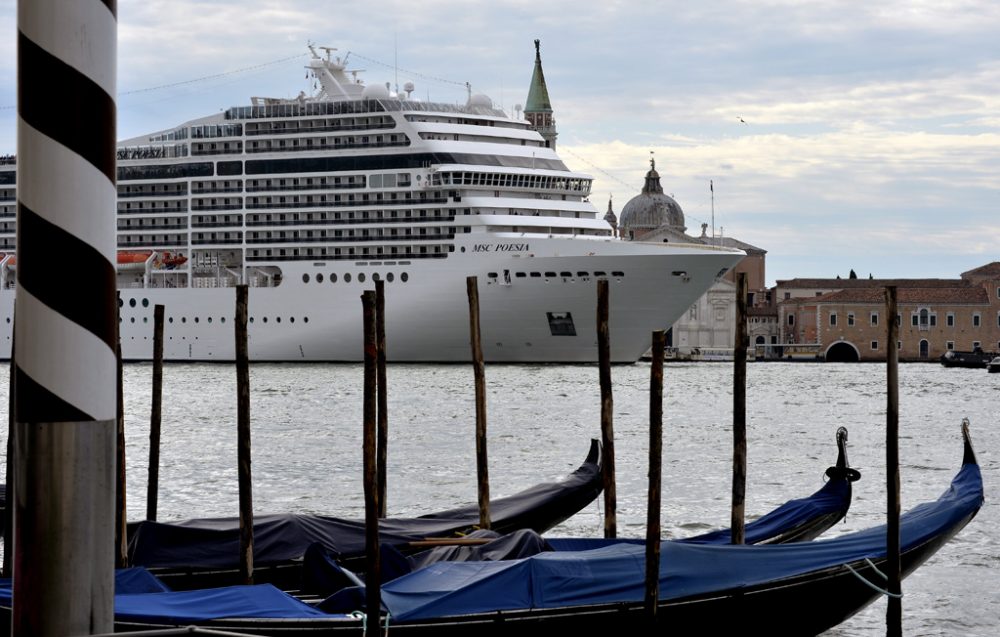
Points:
(839, 135)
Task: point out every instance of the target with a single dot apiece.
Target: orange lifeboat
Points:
(127, 258)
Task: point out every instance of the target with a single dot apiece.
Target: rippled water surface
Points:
(306, 422)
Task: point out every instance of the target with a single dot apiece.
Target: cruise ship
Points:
(310, 201)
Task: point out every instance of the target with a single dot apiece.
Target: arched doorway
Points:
(842, 352)
(924, 348)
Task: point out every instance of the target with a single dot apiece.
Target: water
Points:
(306, 422)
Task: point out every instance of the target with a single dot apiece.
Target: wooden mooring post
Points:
(121, 519)
(740, 412)
(383, 397)
(243, 435)
(655, 476)
(607, 411)
(155, 416)
(894, 609)
(373, 575)
(482, 465)
(8, 514)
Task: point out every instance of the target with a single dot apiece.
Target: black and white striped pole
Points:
(65, 332)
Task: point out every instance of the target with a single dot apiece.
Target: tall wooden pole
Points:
(121, 519)
(155, 416)
(894, 610)
(373, 576)
(607, 411)
(65, 332)
(740, 411)
(482, 466)
(383, 397)
(655, 474)
(243, 435)
(8, 516)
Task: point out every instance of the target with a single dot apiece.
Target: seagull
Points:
(741, 120)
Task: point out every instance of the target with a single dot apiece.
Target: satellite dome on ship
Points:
(651, 209)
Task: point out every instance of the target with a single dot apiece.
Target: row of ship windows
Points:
(209, 320)
(503, 180)
(262, 146)
(347, 277)
(236, 185)
(550, 275)
(279, 201)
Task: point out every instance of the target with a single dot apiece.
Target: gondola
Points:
(202, 553)
(704, 588)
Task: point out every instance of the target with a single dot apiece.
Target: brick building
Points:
(844, 319)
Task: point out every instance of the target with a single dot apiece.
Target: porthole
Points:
(463, 248)
(196, 319)
(184, 319)
(305, 319)
(121, 302)
(145, 319)
(132, 320)
(145, 302)
(376, 277)
(264, 319)
(131, 302)
(319, 277)
(251, 319)
(209, 319)
(404, 277)
(347, 277)
(291, 319)
(333, 277)
(361, 277)
(305, 278)
(170, 320)
(277, 320)
(389, 277)
(223, 319)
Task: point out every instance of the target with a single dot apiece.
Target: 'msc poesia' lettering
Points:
(499, 247)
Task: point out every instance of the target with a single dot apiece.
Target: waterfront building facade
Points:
(844, 319)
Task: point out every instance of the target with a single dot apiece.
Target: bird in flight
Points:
(741, 120)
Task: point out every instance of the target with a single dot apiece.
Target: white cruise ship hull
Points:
(427, 316)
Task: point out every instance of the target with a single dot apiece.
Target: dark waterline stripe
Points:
(87, 295)
(66, 105)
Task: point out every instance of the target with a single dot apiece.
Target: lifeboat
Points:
(132, 260)
(170, 260)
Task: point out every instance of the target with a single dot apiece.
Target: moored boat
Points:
(704, 589)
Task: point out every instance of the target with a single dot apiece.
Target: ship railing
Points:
(305, 187)
(355, 221)
(345, 257)
(318, 147)
(415, 237)
(389, 125)
(255, 205)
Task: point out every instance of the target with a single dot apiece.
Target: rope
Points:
(364, 621)
(414, 73)
(869, 584)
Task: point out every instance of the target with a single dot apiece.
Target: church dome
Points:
(651, 209)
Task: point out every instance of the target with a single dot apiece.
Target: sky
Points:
(838, 136)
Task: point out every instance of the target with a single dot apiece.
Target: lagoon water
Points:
(306, 424)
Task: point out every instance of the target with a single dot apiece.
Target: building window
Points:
(850, 319)
(949, 345)
(950, 319)
(791, 320)
(976, 345)
(874, 345)
(874, 319)
(833, 319)
(976, 319)
(788, 295)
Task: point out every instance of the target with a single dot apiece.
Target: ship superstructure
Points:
(310, 200)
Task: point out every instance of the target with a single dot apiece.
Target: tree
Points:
(853, 274)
